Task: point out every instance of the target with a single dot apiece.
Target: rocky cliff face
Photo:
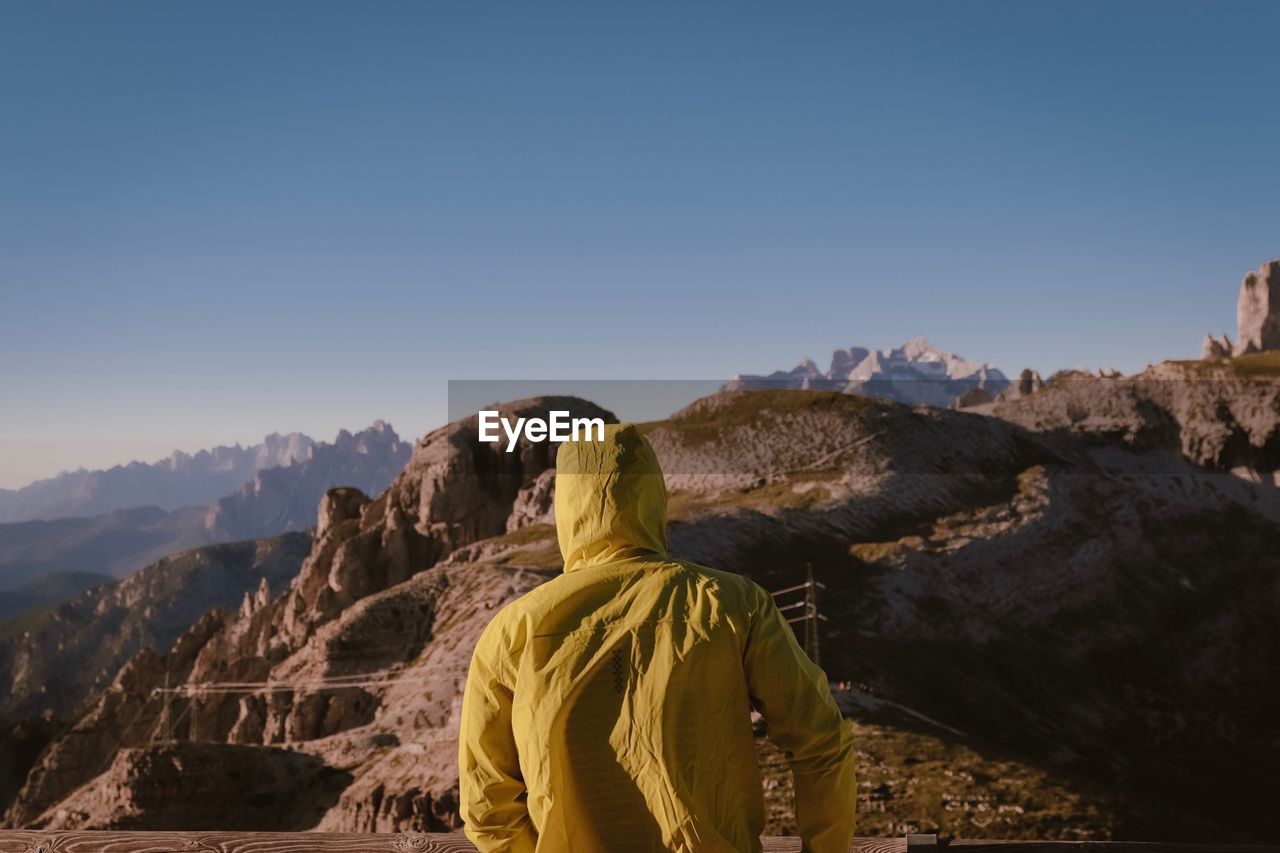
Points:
(1259, 311)
(1029, 382)
(915, 372)
(54, 660)
(1082, 609)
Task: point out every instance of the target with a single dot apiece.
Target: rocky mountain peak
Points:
(915, 372)
(919, 349)
(285, 497)
(844, 360)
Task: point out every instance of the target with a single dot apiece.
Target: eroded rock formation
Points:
(1257, 317)
(1259, 311)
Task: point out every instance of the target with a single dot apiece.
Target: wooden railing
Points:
(102, 841)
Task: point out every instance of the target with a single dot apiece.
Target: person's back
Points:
(607, 710)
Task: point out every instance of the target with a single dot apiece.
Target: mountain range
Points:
(916, 372)
(180, 480)
(1057, 618)
(274, 500)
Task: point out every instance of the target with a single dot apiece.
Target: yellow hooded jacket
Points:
(607, 710)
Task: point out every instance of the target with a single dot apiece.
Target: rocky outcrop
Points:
(1257, 317)
(1259, 311)
(1029, 382)
(337, 507)
(1215, 349)
(1223, 416)
(534, 504)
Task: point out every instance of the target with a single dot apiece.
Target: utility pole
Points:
(809, 615)
(811, 645)
(165, 732)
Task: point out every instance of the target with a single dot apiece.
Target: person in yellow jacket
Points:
(608, 709)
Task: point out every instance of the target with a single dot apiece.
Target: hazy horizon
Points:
(220, 221)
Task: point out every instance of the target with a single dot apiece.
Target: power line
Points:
(211, 688)
(809, 615)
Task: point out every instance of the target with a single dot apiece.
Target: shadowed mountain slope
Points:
(54, 659)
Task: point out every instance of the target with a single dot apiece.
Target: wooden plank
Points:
(102, 841)
(992, 846)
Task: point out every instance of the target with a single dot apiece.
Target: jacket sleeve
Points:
(492, 793)
(793, 695)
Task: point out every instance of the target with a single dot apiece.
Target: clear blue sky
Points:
(219, 219)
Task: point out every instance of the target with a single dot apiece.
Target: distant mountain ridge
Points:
(48, 589)
(283, 499)
(114, 543)
(916, 372)
(273, 501)
(181, 479)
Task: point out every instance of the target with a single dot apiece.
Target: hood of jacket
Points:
(610, 499)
